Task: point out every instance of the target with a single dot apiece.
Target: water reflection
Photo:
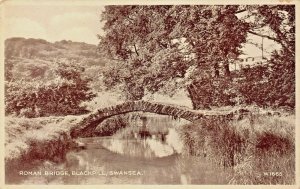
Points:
(147, 147)
(132, 158)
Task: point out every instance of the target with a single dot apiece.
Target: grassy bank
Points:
(27, 139)
(31, 141)
(259, 148)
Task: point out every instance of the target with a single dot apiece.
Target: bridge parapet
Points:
(92, 121)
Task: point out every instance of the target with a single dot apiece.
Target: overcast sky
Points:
(54, 23)
(76, 23)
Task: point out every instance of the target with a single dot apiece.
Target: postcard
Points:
(139, 94)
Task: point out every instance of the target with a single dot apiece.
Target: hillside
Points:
(42, 49)
(63, 69)
(34, 59)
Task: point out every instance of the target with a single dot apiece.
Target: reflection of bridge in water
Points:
(89, 123)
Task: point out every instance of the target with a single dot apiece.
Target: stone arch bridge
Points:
(89, 123)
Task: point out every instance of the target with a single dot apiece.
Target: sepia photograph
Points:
(149, 94)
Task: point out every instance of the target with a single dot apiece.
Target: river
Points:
(153, 156)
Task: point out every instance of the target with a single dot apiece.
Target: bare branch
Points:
(266, 36)
(240, 11)
(272, 38)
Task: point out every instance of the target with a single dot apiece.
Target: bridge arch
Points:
(90, 123)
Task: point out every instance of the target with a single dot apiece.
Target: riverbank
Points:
(259, 147)
(36, 139)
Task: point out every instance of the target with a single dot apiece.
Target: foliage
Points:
(156, 45)
(272, 86)
(282, 80)
(165, 48)
(253, 85)
(208, 92)
(61, 96)
(279, 19)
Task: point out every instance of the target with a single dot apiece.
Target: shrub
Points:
(61, 96)
(269, 85)
(207, 92)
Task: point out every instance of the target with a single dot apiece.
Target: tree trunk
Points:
(196, 98)
(216, 68)
(192, 95)
(226, 69)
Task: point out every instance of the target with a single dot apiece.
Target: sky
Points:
(54, 23)
(76, 23)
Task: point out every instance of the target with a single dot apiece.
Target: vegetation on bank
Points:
(260, 148)
(252, 147)
(50, 79)
(26, 135)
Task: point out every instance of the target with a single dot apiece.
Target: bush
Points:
(265, 85)
(61, 96)
(207, 92)
(272, 86)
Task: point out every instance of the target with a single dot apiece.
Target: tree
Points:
(156, 45)
(61, 96)
(273, 85)
(191, 47)
(279, 20)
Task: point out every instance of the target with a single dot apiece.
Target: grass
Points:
(22, 133)
(253, 147)
(31, 141)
